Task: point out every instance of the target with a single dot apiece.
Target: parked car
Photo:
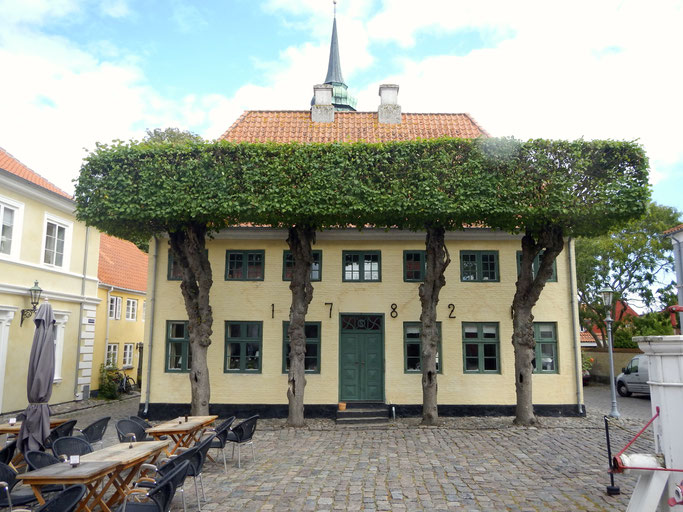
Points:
(634, 377)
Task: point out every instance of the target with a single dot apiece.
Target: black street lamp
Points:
(607, 294)
(35, 292)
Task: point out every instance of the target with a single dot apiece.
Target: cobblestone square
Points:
(473, 463)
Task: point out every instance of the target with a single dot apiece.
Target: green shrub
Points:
(650, 324)
(108, 386)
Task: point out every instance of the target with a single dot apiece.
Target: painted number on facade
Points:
(451, 309)
(329, 304)
(393, 313)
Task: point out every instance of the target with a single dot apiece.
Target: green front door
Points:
(361, 358)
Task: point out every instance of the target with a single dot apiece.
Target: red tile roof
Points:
(587, 337)
(14, 166)
(673, 230)
(122, 264)
(296, 126)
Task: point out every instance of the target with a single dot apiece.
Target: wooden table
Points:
(6, 428)
(105, 466)
(126, 457)
(90, 474)
(183, 433)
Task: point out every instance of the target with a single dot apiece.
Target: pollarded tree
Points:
(140, 190)
(562, 189)
(548, 190)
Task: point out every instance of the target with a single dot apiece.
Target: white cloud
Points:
(35, 11)
(605, 69)
(62, 99)
(115, 8)
(187, 17)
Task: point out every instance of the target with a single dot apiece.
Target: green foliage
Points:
(135, 190)
(586, 362)
(650, 324)
(170, 135)
(108, 385)
(633, 260)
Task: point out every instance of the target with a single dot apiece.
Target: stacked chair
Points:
(94, 432)
(221, 439)
(36, 460)
(67, 446)
(242, 434)
(128, 430)
(165, 467)
(10, 496)
(66, 501)
(7, 453)
(159, 496)
(63, 430)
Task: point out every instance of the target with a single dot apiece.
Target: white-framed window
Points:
(11, 221)
(131, 309)
(6, 316)
(128, 354)
(57, 242)
(112, 354)
(115, 308)
(61, 318)
(144, 310)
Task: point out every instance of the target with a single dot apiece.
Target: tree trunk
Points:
(300, 239)
(527, 292)
(189, 250)
(437, 259)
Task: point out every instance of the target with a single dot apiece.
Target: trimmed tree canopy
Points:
(133, 190)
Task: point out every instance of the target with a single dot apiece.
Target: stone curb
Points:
(75, 406)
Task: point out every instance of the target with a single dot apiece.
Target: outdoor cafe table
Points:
(90, 474)
(6, 428)
(127, 457)
(13, 429)
(183, 433)
(108, 463)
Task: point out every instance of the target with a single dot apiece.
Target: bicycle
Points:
(124, 383)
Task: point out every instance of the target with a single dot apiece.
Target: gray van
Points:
(634, 377)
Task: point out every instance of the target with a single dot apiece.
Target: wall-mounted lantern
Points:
(35, 292)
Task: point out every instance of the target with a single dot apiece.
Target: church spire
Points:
(341, 99)
(334, 74)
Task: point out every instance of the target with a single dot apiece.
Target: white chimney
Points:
(389, 111)
(322, 110)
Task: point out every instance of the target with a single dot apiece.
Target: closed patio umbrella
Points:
(41, 370)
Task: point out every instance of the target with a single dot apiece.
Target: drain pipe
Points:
(80, 313)
(572, 297)
(678, 253)
(152, 307)
(106, 334)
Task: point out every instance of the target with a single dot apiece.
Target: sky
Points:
(77, 72)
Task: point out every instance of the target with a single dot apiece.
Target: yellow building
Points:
(42, 241)
(363, 323)
(120, 328)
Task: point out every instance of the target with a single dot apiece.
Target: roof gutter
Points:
(152, 308)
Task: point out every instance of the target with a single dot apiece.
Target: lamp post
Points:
(35, 292)
(607, 294)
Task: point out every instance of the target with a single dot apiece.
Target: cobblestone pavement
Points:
(598, 398)
(471, 464)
